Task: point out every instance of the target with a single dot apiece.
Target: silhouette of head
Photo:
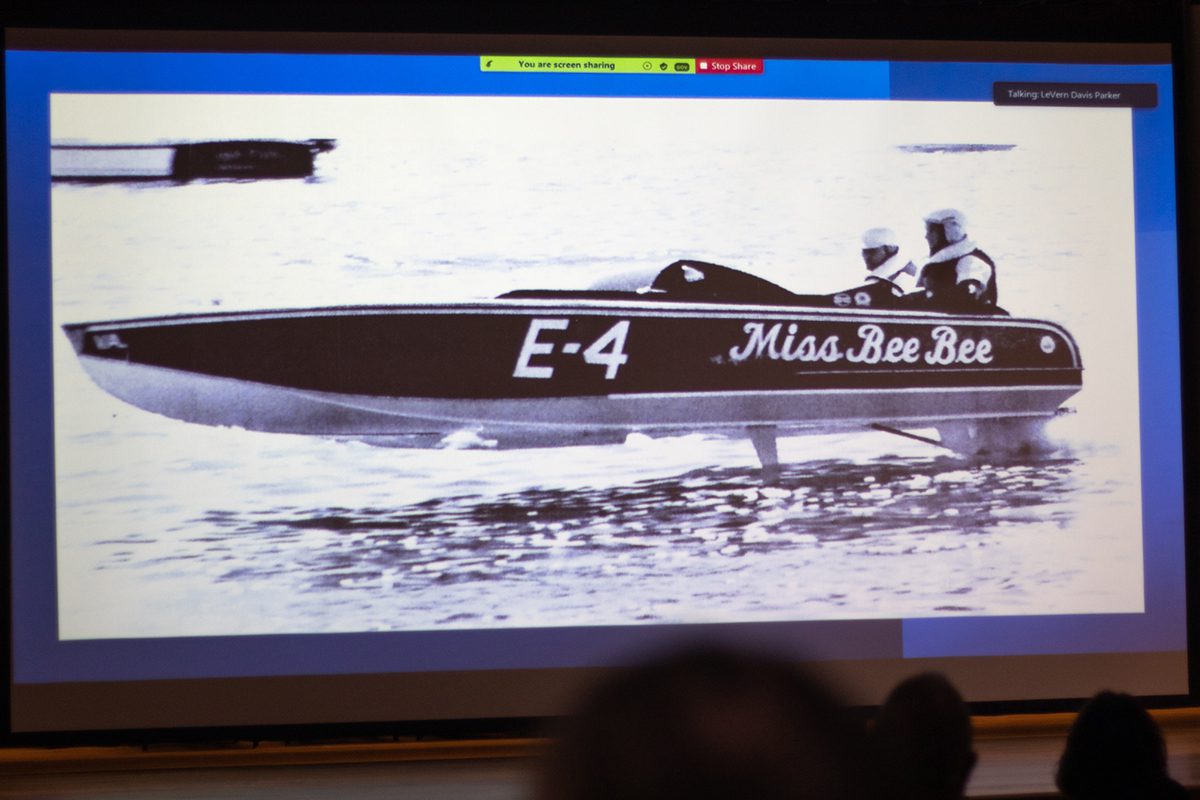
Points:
(706, 724)
(1114, 750)
(922, 739)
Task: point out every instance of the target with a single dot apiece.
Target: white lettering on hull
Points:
(874, 346)
(763, 341)
(608, 351)
(532, 347)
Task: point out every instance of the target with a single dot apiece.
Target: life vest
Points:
(940, 274)
(898, 270)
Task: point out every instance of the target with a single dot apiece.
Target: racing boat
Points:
(185, 161)
(696, 347)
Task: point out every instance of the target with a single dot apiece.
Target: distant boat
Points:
(954, 147)
(185, 161)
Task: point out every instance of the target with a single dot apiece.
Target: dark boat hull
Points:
(186, 161)
(545, 372)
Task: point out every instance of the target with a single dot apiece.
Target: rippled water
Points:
(166, 528)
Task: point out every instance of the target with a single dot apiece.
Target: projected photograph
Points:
(388, 363)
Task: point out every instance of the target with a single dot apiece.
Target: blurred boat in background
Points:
(185, 161)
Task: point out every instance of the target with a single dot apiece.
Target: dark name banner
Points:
(1101, 95)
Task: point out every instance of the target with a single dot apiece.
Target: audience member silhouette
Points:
(922, 740)
(707, 724)
(1115, 751)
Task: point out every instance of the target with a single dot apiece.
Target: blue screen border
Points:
(39, 657)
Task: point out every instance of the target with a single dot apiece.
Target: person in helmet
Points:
(890, 276)
(957, 271)
(884, 262)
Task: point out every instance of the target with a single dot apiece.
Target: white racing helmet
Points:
(953, 222)
(879, 237)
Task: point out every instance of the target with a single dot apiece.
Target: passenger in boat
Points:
(957, 272)
(884, 262)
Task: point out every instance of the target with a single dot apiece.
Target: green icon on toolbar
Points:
(585, 64)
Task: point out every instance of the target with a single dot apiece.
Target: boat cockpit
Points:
(690, 281)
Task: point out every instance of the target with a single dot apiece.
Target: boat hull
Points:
(185, 161)
(529, 371)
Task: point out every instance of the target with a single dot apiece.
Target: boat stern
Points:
(75, 334)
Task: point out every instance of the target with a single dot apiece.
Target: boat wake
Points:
(861, 536)
(714, 512)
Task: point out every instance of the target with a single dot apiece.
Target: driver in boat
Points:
(957, 271)
(884, 262)
(889, 275)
